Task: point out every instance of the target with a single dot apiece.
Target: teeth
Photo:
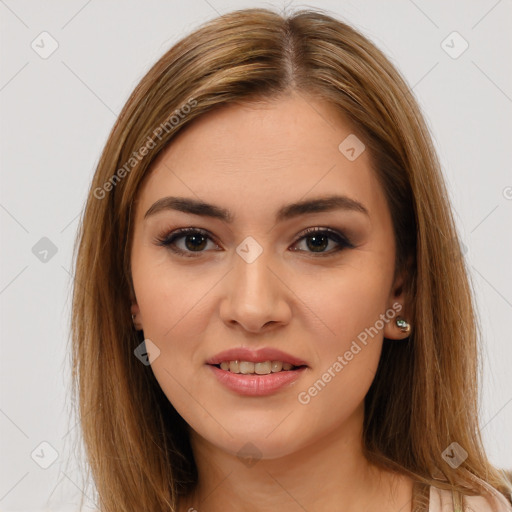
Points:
(247, 367)
(262, 368)
(276, 366)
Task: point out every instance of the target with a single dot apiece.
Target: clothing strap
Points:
(458, 501)
(421, 498)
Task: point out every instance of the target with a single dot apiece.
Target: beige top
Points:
(433, 499)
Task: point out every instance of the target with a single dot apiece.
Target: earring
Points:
(404, 326)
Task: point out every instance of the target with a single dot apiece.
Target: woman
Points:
(270, 211)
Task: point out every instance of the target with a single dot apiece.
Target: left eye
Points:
(317, 240)
(320, 237)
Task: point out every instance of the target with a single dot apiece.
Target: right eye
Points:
(195, 241)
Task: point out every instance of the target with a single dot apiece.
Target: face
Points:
(310, 287)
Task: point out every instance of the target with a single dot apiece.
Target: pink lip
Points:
(256, 385)
(255, 356)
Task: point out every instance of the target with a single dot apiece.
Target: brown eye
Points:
(195, 241)
(317, 240)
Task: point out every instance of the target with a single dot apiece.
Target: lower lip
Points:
(256, 385)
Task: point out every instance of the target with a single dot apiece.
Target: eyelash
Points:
(168, 240)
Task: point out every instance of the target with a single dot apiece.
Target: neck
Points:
(329, 474)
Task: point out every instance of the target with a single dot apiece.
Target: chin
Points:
(259, 437)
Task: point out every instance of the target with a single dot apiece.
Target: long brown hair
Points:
(424, 396)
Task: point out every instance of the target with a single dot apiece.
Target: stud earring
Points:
(404, 326)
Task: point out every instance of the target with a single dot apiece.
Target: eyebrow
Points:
(196, 207)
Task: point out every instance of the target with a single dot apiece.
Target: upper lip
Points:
(255, 356)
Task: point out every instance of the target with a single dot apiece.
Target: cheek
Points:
(171, 299)
(172, 308)
(345, 304)
(348, 350)
(172, 303)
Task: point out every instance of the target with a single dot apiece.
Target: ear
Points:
(397, 308)
(135, 312)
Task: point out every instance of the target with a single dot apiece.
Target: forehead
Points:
(255, 158)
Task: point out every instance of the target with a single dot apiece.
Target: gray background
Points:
(56, 113)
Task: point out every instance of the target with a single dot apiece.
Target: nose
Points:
(255, 296)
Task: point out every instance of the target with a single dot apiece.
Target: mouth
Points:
(259, 368)
(259, 362)
(255, 373)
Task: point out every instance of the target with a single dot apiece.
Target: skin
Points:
(252, 160)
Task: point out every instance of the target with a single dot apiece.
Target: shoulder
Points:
(442, 500)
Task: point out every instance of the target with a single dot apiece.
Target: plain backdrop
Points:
(56, 113)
